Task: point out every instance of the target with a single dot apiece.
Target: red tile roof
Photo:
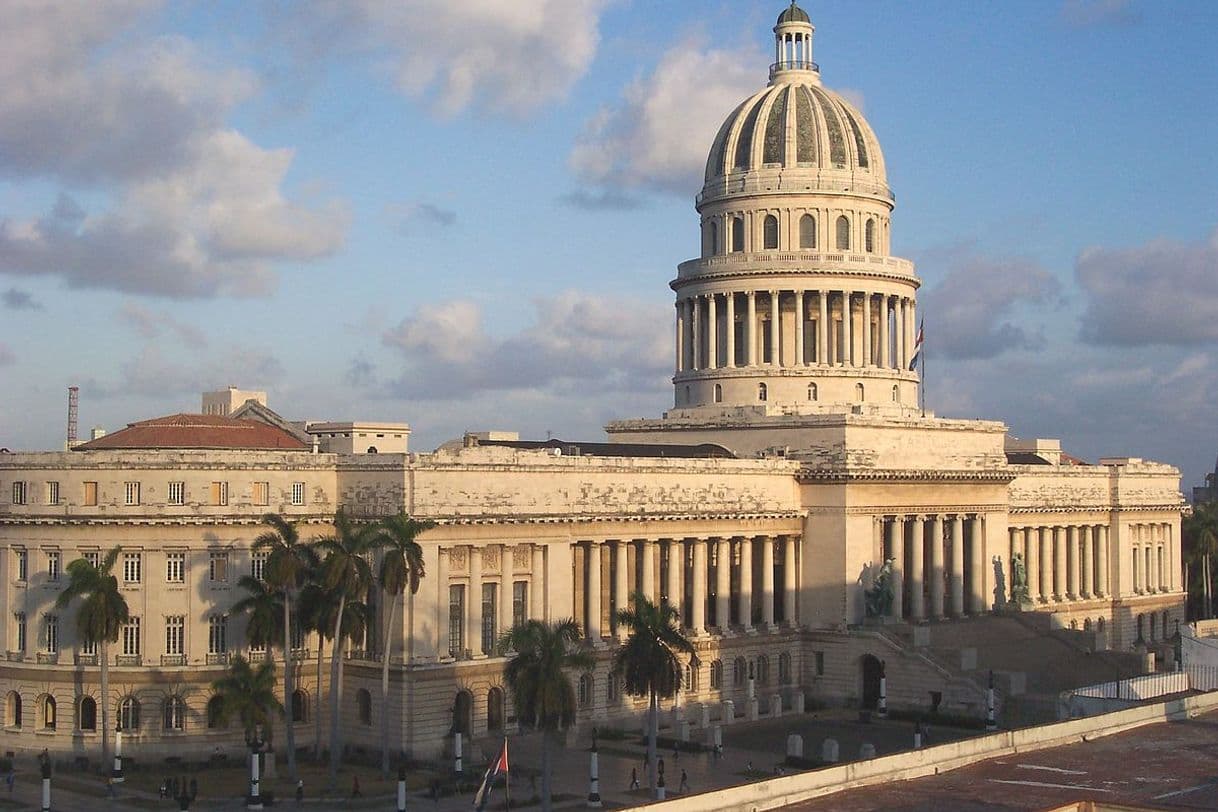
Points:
(197, 431)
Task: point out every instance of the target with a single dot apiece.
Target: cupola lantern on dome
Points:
(793, 44)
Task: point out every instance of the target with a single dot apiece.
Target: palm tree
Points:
(401, 566)
(249, 694)
(314, 614)
(649, 661)
(99, 619)
(263, 609)
(541, 653)
(288, 563)
(348, 574)
(1199, 532)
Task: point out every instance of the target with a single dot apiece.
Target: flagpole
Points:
(922, 387)
(507, 779)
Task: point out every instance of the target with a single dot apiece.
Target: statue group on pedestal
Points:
(878, 599)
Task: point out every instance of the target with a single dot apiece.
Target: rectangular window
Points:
(298, 493)
(175, 568)
(18, 493)
(258, 564)
(23, 565)
(820, 663)
(456, 620)
(132, 567)
(217, 634)
(88, 648)
(218, 567)
(177, 493)
(52, 634)
(53, 565)
(298, 636)
(90, 495)
(20, 618)
(52, 493)
(175, 634)
(131, 492)
(219, 493)
(262, 494)
(93, 557)
(489, 593)
(520, 602)
(131, 637)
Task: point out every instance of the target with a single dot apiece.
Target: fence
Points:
(1150, 686)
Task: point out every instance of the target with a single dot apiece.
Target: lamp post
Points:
(116, 774)
(882, 707)
(46, 785)
(991, 723)
(254, 801)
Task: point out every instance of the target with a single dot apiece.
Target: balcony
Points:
(218, 658)
(257, 656)
(801, 262)
(15, 656)
(835, 181)
(128, 659)
(173, 659)
(792, 64)
(86, 659)
(48, 658)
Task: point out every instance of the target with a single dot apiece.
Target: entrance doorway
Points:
(462, 712)
(871, 681)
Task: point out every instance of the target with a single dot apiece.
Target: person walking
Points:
(299, 791)
(634, 778)
(355, 793)
(110, 787)
(684, 782)
(9, 779)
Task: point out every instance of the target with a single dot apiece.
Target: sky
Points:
(464, 215)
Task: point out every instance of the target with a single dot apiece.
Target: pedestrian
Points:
(748, 766)
(299, 791)
(718, 751)
(355, 793)
(684, 782)
(109, 786)
(634, 778)
(676, 753)
(660, 766)
(163, 792)
(9, 779)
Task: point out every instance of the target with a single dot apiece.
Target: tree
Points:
(1199, 532)
(649, 661)
(540, 655)
(314, 612)
(263, 608)
(288, 563)
(347, 573)
(99, 619)
(401, 567)
(249, 694)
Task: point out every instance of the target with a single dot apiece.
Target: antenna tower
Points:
(73, 405)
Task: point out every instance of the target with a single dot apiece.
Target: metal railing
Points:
(218, 658)
(86, 659)
(128, 659)
(793, 64)
(173, 659)
(48, 657)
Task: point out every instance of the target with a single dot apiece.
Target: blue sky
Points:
(465, 215)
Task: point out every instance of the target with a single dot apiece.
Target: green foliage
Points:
(263, 607)
(648, 661)
(248, 693)
(540, 654)
(402, 561)
(103, 610)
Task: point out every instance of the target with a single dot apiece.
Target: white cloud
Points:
(1097, 13)
(658, 136)
(152, 324)
(7, 356)
(156, 374)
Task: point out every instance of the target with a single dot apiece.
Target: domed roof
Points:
(796, 124)
(794, 14)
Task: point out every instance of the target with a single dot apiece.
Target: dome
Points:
(794, 14)
(797, 125)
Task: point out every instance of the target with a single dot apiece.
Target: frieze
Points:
(491, 558)
(522, 558)
(458, 560)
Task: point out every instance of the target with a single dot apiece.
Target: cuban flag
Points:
(917, 354)
(495, 769)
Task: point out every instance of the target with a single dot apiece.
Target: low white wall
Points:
(780, 792)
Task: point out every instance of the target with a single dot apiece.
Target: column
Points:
(1072, 563)
(680, 307)
(647, 549)
(977, 596)
(442, 628)
(750, 329)
(1087, 584)
(896, 549)
(898, 319)
(746, 582)
(917, 557)
(1102, 588)
(593, 591)
(699, 589)
(697, 362)
(712, 333)
(885, 351)
(822, 330)
(723, 585)
(775, 333)
(936, 567)
(1059, 563)
(956, 585)
(730, 332)
(847, 331)
(1032, 559)
(621, 581)
(505, 590)
(538, 586)
(799, 328)
(473, 603)
(911, 320)
(767, 582)
(866, 330)
(788, 581)
(676, 575)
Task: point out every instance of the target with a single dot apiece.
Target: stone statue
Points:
(1019, 581)
(878, 599)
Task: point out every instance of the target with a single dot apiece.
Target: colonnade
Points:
(938, 563)
(1063, 562)
(743, 583)
(795, 328)
(471, 614)
(1153, 568)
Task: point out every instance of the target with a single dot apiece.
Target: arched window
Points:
(612, 684)
(710, 238)
(1141, 628)
(215, 712)
(1153, 623)
(175, 713)
(769, 229)
(12, 709)
(784, 668)
(869, 236)
(1087, 624)
(739, 672)
(86, 713)
(896, 393)
(860, 394)
(718, 393)
(585, 690)
(843, 233)
(1100, 624)
(812, 391)
(48, 712)
(763, 670)
(494, 709)
(716, 675)
(371, 450)
(762, 392)
(737, 234)
(807, 231)
(300, 706)
(363, 702)
(129, 713)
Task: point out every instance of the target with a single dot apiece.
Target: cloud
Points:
(1164, 292)
(509, 58)
(181, 204)
(15, 299)
(642, 143)
(150, 324)
(154, 373)
(1098, 13)
(575, 341)
(971, 308)
(422, 213)
(7, 356)
(602, 200)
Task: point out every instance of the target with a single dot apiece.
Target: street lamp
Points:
(255, 742)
